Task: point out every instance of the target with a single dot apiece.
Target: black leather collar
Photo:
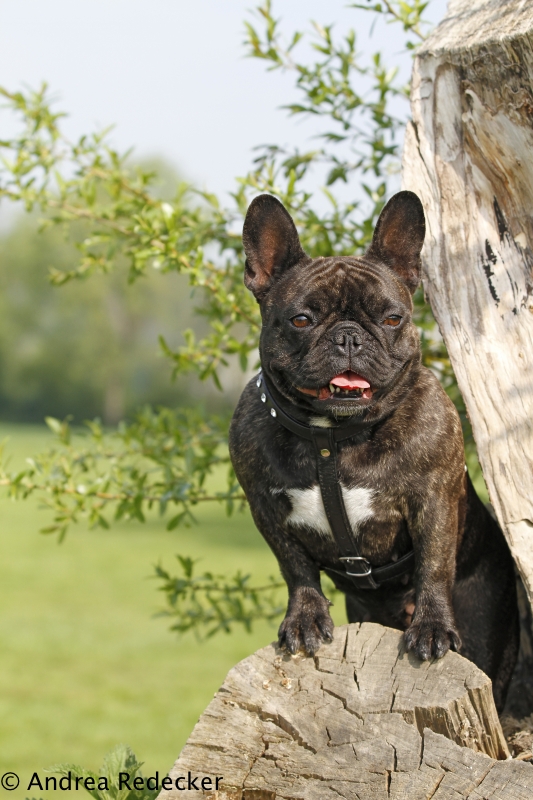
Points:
(356, 567)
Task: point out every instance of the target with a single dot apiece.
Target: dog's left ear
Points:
(399, 237)
(271, 243)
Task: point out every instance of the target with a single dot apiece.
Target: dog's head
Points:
(337, 334)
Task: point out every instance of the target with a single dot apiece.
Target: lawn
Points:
(85, 664)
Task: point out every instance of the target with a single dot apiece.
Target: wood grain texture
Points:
(363, 719)
(468, 156)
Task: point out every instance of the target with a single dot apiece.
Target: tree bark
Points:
(468, 155)
(362, 720)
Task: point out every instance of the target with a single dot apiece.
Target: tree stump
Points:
(468, 156)
(363, 719)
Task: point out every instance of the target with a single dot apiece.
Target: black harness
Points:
(356, 568)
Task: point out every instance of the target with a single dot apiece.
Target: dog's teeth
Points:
(356, 391)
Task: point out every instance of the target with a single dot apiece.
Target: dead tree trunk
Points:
(363, 720)
(469, 156)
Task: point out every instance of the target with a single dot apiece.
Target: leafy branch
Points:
(163, 459)
(330, 88)
(211, 603)
(408, 14)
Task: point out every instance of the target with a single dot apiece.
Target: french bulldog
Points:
(340, 353)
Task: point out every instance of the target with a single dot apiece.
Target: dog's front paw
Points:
(307, 623)
(431, 638)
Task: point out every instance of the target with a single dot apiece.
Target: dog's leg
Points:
(307, 623)
(433, 528)
(485, 601)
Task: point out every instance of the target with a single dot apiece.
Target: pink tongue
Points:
(350, 380)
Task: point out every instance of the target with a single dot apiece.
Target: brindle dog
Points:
(338, 344)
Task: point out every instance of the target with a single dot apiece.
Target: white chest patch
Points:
(320, 422)
(308, 509)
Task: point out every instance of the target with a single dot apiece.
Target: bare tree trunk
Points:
(469, 156)
(363, 720)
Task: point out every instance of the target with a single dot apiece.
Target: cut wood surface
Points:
(468, 155)
(363, 719)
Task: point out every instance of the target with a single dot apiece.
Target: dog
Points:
(351, 454)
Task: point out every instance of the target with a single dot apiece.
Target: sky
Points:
(172, 75)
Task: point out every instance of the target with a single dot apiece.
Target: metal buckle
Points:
(358, 574)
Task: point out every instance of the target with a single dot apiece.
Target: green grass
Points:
(84, 663)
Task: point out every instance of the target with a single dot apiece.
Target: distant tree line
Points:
(90, 348)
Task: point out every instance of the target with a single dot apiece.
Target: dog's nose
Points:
(348, 338)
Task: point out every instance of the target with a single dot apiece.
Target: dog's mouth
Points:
(346, 386)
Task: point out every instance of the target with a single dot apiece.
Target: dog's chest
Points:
(308, 509)
(371, 492)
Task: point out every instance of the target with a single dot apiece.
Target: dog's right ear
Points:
(271, 244)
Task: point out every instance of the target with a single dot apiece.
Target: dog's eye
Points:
(393, 320)
(301, 321)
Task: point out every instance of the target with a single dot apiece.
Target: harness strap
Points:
(357, 568)
(387, 572)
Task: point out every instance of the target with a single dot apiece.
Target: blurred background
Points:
(85, 665)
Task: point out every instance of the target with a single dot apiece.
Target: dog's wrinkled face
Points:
(337, 332)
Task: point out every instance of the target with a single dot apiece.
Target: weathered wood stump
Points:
(363, 719)
(468, 156)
